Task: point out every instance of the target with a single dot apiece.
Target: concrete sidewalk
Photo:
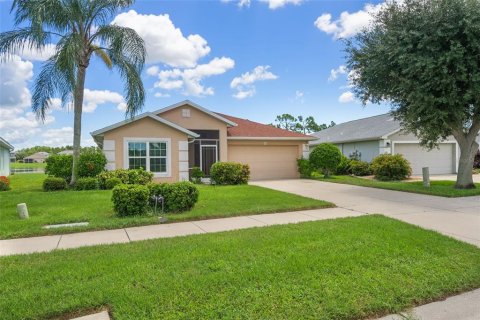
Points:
(465, 306)
(75, 240)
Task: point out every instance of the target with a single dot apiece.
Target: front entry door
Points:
(208, 156)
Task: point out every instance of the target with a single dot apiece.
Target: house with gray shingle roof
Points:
(381, 134)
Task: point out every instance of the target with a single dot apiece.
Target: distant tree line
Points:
(25, 152)
(300, 124)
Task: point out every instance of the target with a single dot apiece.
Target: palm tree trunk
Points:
(77, 116)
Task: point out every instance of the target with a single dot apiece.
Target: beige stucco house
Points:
(5, 149)
(172, 140)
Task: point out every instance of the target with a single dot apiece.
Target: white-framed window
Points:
(186, 113)
(152, 154)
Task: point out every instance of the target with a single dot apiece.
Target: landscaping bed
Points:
(95, 207)
(351, 268)
(437, 188)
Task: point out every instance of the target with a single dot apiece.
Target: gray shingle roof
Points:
(371, 128)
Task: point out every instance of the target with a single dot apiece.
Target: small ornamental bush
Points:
(196, 175)
(387, 167)
(112, 182)
(126, 176)
(54, 184)
(304, 168)
(343, 167)
(4, 183)
(91, 163)
(178, 197)
(130, 200)
(60, 166)
(325, 157)
(88, 183)
(230, 173)
(360, 168)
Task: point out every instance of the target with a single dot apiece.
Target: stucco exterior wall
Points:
(4, 162)
(199, 120)
(368, 149)
(145, 128)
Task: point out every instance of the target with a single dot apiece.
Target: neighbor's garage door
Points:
(267, 162)
(439, 161)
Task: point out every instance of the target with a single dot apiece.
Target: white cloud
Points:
(334, 73)
(153, 70)
(189, 81)
(18, 123)
(299, 96)
(346, 97)
(244, 84)
(272, 4)
(348, 24)
(38, 55)
(58, 137)
(161, 95)
(164, 42)
(93, 98)
(275, 4)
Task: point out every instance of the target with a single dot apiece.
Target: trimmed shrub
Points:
(54, 184)
(196, 175)
(360, 168)
(126, 176)
(343, 167)
(111, 183)
(325, 157)
(129, 200)
(4, 183)
(178, 196)
(60, 166)
(230, 173)
(88, 183)
(387, 167)
(304, 168)
(91, 163)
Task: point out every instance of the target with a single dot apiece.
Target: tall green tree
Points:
(81, 30)
(423, 57)
(300, 124)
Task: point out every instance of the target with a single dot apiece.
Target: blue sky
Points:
(249, 59)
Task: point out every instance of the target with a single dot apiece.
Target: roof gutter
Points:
(273, 138)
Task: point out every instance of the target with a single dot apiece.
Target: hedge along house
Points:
(383, 134)
(5, 149)
(171, 141)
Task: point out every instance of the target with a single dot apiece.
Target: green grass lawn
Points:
(437, 188)
(20, 165)
(350, 268)
(96, 207)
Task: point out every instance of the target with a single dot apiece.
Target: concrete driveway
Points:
(455, 217)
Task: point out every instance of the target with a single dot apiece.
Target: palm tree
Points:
(81, 30)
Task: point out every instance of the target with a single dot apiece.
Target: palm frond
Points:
(133, 87)
(122, 41)
(51, 82)
(15, 41)
(100, 52)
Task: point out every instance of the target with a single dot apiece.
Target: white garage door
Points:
(439, 161)
(267, 162)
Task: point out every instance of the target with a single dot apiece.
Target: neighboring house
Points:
(172, 140)
(382, 134)
(38, 157)
(5, 149)
(66, 152)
